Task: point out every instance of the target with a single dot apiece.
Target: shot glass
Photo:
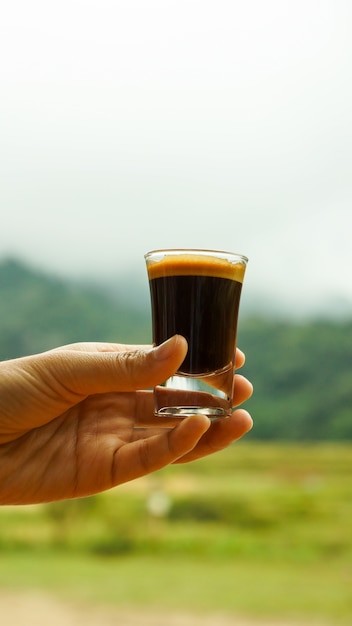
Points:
(196, 293)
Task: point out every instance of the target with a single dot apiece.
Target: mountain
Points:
(39, 311)
(302, 377)
(301, 369)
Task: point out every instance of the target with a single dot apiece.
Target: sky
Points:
(131, 125)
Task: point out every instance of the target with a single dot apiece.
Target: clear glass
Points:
(196, 293)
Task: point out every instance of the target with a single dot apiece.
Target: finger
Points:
(243, 389)
(223, 381)
(93, 346)
(240, 358)
(125, 350)
(153, 453)
(220, 435)
(75, 373)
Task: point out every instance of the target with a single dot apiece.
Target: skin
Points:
(79, 420)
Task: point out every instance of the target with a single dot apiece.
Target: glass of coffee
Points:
(196, 293)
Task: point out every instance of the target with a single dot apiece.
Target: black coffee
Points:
(203, 308)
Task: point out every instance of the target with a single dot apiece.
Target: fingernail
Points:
(165, 350)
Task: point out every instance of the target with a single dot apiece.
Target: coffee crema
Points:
(190, 264)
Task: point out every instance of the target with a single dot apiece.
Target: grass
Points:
(289, 591)
(260, 530)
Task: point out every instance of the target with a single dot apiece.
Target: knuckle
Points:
(132, 364)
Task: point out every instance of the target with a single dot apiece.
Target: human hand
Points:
(79, 419)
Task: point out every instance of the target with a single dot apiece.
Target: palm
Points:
(57, 441)
(75, 454)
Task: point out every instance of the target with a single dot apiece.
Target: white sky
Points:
(132, 125)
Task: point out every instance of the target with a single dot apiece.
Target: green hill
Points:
(39, 311)
(301, 371)
(302, 376)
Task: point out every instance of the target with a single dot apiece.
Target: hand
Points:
(73, 420)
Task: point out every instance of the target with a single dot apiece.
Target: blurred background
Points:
(129, 126)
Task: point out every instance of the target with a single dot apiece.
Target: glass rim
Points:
(197, 251)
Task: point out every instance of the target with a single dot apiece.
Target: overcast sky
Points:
(139, 124)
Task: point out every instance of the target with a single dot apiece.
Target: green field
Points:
(260, 530)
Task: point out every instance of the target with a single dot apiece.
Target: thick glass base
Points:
(181, 412)
(183, 395)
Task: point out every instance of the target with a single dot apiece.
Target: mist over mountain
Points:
(129, 288)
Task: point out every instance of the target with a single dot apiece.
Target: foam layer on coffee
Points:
(193, 265)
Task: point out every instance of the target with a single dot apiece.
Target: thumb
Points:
(86, 373)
